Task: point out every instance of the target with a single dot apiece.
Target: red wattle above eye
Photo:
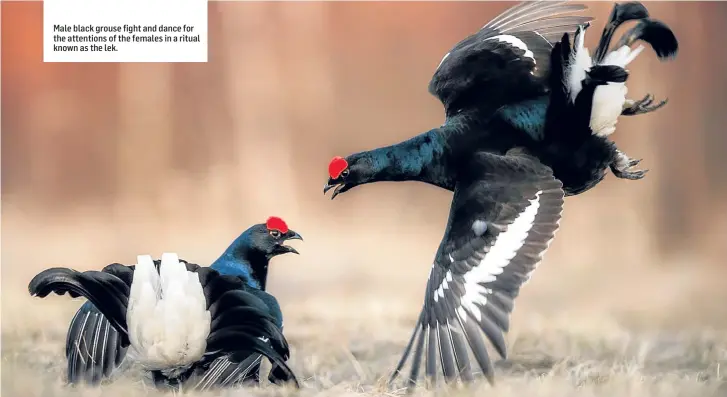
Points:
(275, 223)
(337, 166)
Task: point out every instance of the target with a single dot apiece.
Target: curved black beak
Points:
(291, 235)
(284, 249)
(331, 184)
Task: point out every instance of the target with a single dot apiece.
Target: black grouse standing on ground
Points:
(95, 348)
(527, 120)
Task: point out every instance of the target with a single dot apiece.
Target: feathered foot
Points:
(644, 105)
(621, 167)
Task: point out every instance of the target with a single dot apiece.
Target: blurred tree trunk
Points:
(203, 116)
(255, 88)
(683, 202)
(204, 153)
(145, 132)
(304, 53)
(714, 135)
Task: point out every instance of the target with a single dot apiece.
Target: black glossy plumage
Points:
(492, 61)
(93, 347)
(497, 98)
(620, 13)
(108, 288)
(504, 213)
(576, 156)
(512, 129)
(656, 33)
(239, 319)
(247, 257)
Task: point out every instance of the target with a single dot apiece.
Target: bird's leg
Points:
(622, 164)
(644, 105)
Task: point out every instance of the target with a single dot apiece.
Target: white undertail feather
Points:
(608, 100)
(579, 63)
(167, 317)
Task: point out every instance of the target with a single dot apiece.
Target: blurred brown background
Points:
(101, 162)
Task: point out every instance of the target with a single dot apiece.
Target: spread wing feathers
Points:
(108, 290)
(223, 372)
(506, 59)
(239, 321)
(93, 347)
(504, 214)
(241, 328)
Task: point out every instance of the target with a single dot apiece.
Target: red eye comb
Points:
(336, 167)
(275, 223)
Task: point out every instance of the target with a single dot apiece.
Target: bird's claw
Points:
(631, 175)
(621, 168)
(642, 106)
(634, 162)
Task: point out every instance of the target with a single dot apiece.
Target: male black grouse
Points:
(498, 93)
(527, 121)
(96, 346)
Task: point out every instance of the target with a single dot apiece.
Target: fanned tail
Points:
(176, 316)
(595, 88)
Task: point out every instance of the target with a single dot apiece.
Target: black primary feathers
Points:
(93, 346)
(108, 288)
(506, 60)
(528, 115)
(92, 340)
(240, 323)
(503, 216)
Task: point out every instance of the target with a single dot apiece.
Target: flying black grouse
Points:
(527, 122)
(499, 92)
(96, 346)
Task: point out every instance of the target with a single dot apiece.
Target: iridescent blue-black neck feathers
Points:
(416, 159)
(250, 253)
(240, 259)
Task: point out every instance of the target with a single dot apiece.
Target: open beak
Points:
(329, 185)
(284, 249)
(291, 235)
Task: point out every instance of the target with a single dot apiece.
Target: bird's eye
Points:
(275, 233)
(344, 173)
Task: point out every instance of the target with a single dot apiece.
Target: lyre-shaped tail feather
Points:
(654, 32)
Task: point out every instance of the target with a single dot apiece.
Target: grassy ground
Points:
(344, 354)
(585, 330)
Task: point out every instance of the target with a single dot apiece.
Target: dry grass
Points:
(610, 331)
(342, 354)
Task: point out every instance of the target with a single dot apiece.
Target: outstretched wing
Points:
(506, 60)
(93, 347)
(107, 290)
(504, 214)
(226, 372)
(242, 329)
